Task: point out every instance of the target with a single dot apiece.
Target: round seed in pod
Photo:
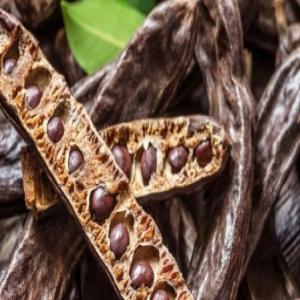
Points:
(177, 158)
(9, 65)
(148, 163)
(55, 129)
(141, 274)
(160, 295)
(119, 239)
(122, 158)
(33, 96)
(101, 204)
(75, 160)
(203, 153)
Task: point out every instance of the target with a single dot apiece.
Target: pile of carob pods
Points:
(170, 173)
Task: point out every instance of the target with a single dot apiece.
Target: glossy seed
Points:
(122, 158)
(203, 153)
(119, 240)
(141, 274)
(160, 295)
(75, 160)
(148, 163)
(9, 65)
(101, 204)
(55, 129)
(177, 158)
(33, 96)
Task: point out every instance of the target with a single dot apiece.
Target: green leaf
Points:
(143, 6)
(98, 30)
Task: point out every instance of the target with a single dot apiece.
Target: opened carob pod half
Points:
(168, 155)
(96, 194)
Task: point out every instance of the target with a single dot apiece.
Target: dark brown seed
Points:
(141, 274)
(119, 240)
(160, 295)
(101, 204)
(122, 158)
(33, 96)
(148, 163)
(75, 160)
(9, 65)
(55, 129)
(203, 153)
(178, 157)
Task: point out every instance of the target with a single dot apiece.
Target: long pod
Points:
(96, 194)
(216, 270)
(277, 142)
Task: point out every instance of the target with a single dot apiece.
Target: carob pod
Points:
(168, 155)
(278, 142)
(277, 130)
(97, 193)
(179, 155)
(10, 230)
(285, 223)
(11, 186)
(51, 269)
(171, 27)
(215, 270)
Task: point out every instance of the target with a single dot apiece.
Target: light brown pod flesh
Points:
(52, 147)
(164, 134)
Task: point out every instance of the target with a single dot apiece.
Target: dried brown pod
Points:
(215, 270)
(278, 142)
(33, 13)
(53, 142)
(171, 27)
(32, 258)
(72, 70)
(285, 223)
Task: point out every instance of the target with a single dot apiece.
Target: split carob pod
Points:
(159, 156)
(168, 155)
(123, 237)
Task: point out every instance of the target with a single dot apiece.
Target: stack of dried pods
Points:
(170, 207)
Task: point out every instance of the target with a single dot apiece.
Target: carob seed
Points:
(160, 295)
(101, 204)
(178, 157)
(75, 160)
(9, 65)
(203, 153)
(55, 129)
(141, 274)
(148, 163)
(122, 158)
(33, 96)
(119, 239)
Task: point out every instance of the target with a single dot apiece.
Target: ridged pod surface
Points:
(52, 144)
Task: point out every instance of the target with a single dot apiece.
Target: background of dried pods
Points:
(225, 53)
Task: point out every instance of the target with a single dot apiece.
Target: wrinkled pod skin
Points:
(277, 142)
(173, 21)
(51, 142)
(126, 140)
(278, 123)
(216, 268)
